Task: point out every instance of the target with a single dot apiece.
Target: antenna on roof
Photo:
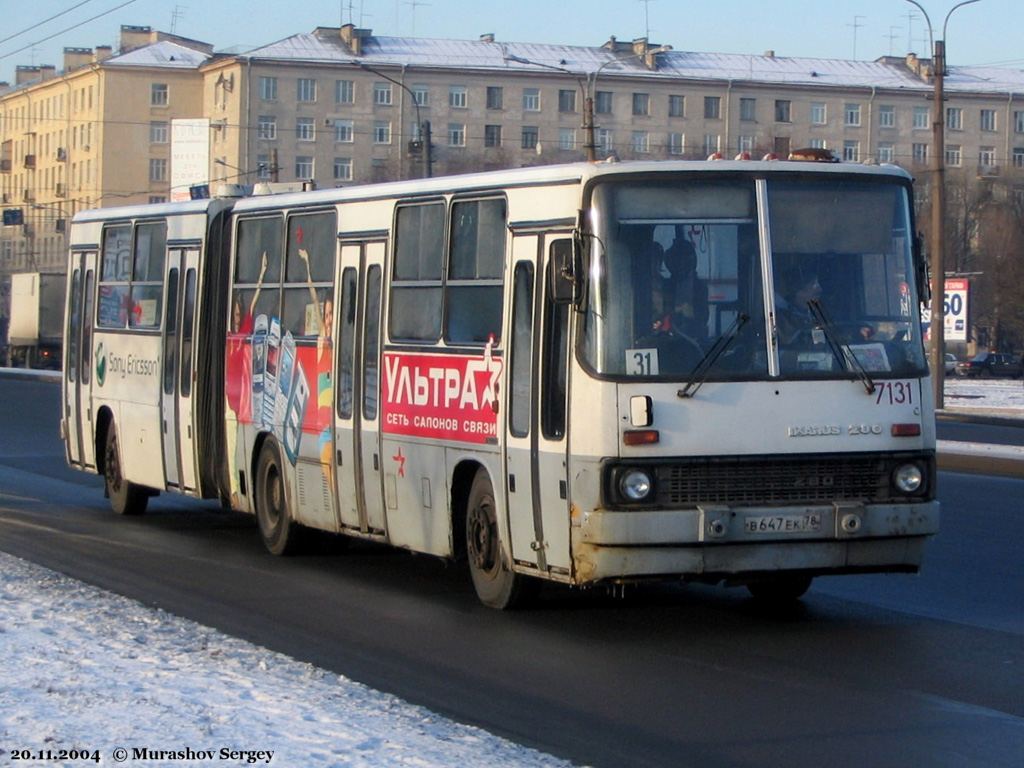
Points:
(856, 25)
(647, 18)
(177, 13)
(414, 4)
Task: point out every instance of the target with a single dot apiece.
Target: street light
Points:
(422, 127)
(938, 192)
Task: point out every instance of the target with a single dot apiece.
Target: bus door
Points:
(177, 368)
(536, 390)
(78, 362)
(356, 413)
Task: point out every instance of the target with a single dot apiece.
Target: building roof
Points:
(161, 54)
(323, 47)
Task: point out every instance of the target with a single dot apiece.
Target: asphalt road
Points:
(866, 671)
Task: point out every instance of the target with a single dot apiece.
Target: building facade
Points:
(339, 106)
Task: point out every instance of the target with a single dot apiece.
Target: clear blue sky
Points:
(987, 32)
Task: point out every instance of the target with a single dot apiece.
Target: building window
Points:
(605, 140)
(158, 133)
(922, 118)
(851, 151)
(641, 142)
(305, 129)
(953, 155)
(529, 137)
(343, 169)
(306, 89)
(748, 109)
(676, 143)
(988, 120)
(495, 97)
(421, 95)
(641, 104)
(457, 96)
(263, 167)
(887, 116)
(987, 157)
(1018, 157)
(344, 92)
(852, 113)
(566, 138)
(492, 135)
(343, 131)
(566, 100)
(746, 143)
(531, 99)
(158, 95)
(155, 199)
(712, 107)
(382, 94)
(603, 102)
(158, 169)
(886, 152)
(456, 135)
(919, 153)
(818, 144)
(266, 127)
(1018, 122)
(712, 142)
(954, 118)
(819, 113)
(268, 88)
(381, 132)
(782, 109)
(303, 167)
(676, 105)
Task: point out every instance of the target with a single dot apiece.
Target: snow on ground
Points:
(1002, 397)
(84, 669)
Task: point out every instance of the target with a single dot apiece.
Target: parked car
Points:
(992, 364)
(951, 363)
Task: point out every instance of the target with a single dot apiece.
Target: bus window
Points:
(87, 327)
(171, 329)
(147, 275)
(187, 325)
(416, 282)
(521, 349)
(474, 287)
(74, 325)
(372, 345)
(346, 353)
(554, 364)
(309, 270)
(115, 273)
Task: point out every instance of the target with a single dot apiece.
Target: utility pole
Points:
(428, 154)
(938, 255)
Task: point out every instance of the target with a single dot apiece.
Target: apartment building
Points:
(339, 106)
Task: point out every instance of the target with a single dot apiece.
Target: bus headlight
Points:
(908, 478)
(635, 484)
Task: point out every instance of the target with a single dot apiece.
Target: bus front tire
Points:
(126, 498)
(496, 584)
(279, 532)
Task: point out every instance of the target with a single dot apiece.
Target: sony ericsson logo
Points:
(123, 366)
(101, 364)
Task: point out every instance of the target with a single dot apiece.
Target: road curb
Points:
(981, 458)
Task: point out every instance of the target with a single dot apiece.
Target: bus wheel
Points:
(279, 533)
(780, 589)
(126, 498)
(496, 584)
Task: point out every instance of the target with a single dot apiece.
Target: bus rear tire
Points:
(126, 498)
(279, 532)
(496, 584)
(780, 590)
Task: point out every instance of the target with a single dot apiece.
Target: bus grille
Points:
(770, 481)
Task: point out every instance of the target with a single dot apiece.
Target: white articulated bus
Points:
(586, 373)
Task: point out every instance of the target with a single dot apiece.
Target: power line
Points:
(44, 21)
(67, 29)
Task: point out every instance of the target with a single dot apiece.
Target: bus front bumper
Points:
(718, 540)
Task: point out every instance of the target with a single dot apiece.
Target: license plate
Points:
(806, 523)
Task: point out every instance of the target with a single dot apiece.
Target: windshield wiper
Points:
(700, 371)
(847, 360)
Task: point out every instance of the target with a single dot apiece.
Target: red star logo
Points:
(401, 462)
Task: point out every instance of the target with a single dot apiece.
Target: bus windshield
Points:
(676, 280)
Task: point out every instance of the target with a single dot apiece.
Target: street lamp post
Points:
(422, 127)
(938, 193)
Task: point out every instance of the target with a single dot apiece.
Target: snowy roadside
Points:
(83, 669)
(994, 397)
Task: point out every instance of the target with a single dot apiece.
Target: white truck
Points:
(35, 332)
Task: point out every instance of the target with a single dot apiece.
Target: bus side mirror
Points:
(563, 271)
(922, 272)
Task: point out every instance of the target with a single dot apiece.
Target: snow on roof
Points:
(584, 60)
(161, 54)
